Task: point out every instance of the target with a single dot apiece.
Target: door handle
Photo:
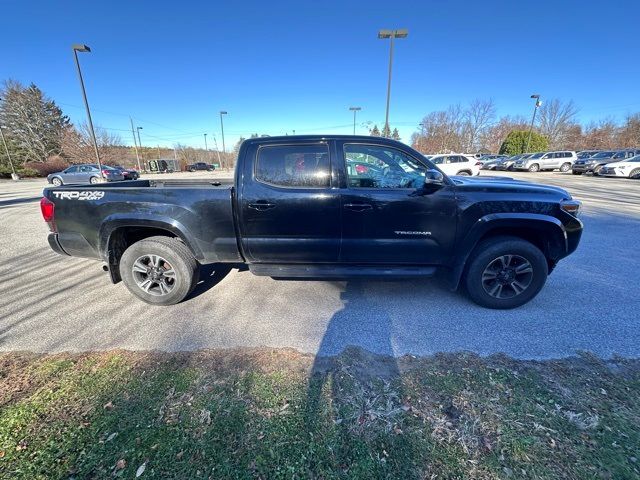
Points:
(358, 207)
(262, 205)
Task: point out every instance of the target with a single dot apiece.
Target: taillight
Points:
(47, 208)
(478, 164)
(105, 172)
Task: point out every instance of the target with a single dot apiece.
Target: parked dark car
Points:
(596, 162)
(86, 173)
(127, 173)
(201, 166)
(294, 209)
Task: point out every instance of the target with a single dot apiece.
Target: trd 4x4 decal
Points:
(71, 195)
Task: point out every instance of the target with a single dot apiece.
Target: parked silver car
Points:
(89, 173)
(561, 160)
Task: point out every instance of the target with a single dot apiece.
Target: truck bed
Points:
(199, 211)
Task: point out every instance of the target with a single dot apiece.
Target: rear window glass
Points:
(294, 165)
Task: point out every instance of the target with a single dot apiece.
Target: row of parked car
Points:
(608, 163)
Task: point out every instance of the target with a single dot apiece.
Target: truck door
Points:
(385, 217)
(289, 212)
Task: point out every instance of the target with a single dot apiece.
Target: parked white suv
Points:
(456, 164)
(560, 160)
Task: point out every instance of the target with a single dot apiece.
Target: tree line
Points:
(477, 128)
(41, 139)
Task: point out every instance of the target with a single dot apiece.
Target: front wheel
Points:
(565, 167)
(505, 272)
(596, 171)
(464, 173)
(159, 270)
(635, 173)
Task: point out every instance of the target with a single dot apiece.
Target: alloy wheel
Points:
(154, 275)
(507, 276)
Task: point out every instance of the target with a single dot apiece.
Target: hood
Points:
(507, 184)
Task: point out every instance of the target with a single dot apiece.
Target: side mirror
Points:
(433, 178)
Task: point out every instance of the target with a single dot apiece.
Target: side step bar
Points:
(339, 271)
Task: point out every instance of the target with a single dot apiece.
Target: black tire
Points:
(534, 168)
(56, 181)
(576, 173)
(634, 173)
(179, 259)
(464, 173)
(565, 167)
(487, 254)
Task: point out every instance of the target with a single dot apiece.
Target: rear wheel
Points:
(56, 182)
(94, 180)
(635, 173)
(464, 173)
(159, 270)
(565, 167)
(534, 168)
(505, 272)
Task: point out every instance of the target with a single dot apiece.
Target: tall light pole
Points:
(206, 149)
(354, 110)
(135, 144)
(222, 112)
(85, 49)
(391, 34)
(215, 142)
(533, 118)
(6, 149)
(140, 143)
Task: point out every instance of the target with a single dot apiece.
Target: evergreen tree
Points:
(375, 132)
(395, 135)
(386, 131)
(33, 121)
(516, 143)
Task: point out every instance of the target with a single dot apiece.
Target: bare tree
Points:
(493, 136)
(600, 135)
(77, 145)
(555, 121)
(478, 117)
(629, 133)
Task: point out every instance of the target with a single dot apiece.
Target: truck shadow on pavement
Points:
(210, 276)
(341, 377)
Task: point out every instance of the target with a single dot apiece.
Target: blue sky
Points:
(283, 66)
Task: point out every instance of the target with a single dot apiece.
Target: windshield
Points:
(585, 154)
(537, 155)
(604, 155)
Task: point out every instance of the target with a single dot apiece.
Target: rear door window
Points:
(302, 166)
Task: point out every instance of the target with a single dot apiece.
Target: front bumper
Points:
(611, 172)
(582, 168)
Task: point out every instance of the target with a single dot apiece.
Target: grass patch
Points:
(263, 413)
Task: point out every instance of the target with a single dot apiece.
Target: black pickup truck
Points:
(321, 207)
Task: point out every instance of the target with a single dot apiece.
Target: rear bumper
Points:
(52, 238)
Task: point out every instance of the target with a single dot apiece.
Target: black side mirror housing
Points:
(433, 178)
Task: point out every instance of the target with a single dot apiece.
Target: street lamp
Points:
(140, 144)
(391, 34)
(85, 49)
(533, 118)
(14, 175)
(206, 149)
(135, 144)
(354, 110)
(222, 112)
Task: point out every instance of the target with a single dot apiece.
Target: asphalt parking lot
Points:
(50, 303)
